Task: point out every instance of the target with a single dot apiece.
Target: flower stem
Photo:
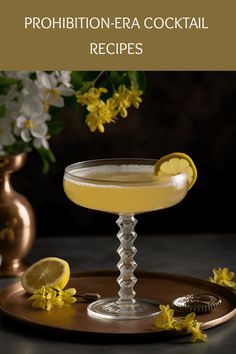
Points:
(97, 77)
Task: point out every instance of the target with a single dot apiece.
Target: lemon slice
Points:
(175, 163)
(47, 271)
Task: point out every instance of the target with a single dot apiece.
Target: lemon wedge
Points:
(47, 271)
(174, 163)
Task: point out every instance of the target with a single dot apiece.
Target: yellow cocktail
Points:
(125, 187)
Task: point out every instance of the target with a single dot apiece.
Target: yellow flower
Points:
(68, 296)
(223, 277)
(49, 297)
(188, 324)
(185, 323)
(123, 99)
(120, 101)
(165, 319)
(91, 96)
(99, 114)
(197, 334)
(134, 97)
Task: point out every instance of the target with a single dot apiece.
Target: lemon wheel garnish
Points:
(48, 271)
(174, 163)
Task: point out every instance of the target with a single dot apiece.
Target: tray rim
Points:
(230, 295)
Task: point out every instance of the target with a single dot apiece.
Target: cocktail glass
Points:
(124, 187)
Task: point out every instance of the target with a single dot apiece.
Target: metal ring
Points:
(196, 303)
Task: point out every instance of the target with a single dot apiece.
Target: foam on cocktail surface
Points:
(123, 188)
(114, 173)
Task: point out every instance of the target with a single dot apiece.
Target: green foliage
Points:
(55, 127)
(138, 79)
(113, 79)
(47, 158)
(6, 83)
(2, 111)
(78, 78)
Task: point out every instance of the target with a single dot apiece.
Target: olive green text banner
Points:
(118, 35)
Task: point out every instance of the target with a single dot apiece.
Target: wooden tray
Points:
(157, 286)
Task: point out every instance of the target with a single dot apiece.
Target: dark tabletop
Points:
(193, 255)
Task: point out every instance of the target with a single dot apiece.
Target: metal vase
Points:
(17, 220)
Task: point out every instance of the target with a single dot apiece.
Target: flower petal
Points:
(39, 131)
(25, 135)
(65, 91)
(48, 81)
(20, 122)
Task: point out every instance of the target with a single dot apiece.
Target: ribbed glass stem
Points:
(126, 265)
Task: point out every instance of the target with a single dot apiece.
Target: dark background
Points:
(191, 112)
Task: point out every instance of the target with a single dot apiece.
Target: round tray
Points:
(157, 286)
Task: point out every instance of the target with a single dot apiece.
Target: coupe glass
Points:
(124, 187)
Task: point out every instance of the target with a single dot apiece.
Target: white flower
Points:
(24, 107)
(33, 104)
(10, 100)
(30, 88)
(18, 75)
(31, 123)
(33, 126)
(51, 92)
(2, 153)
(41, 142)
(64, 78)
(6, 137)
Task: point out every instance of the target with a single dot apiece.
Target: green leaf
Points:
(2, 111)
(55, 127)
(142, 81)
(47, 158)
(118, 78)
(137, 79)
(133, 78)
(6, 83)
(78, 78)
(115, 78)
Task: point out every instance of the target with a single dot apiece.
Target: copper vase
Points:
(17, 220)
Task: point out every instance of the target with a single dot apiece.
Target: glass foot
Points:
(110, 309)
